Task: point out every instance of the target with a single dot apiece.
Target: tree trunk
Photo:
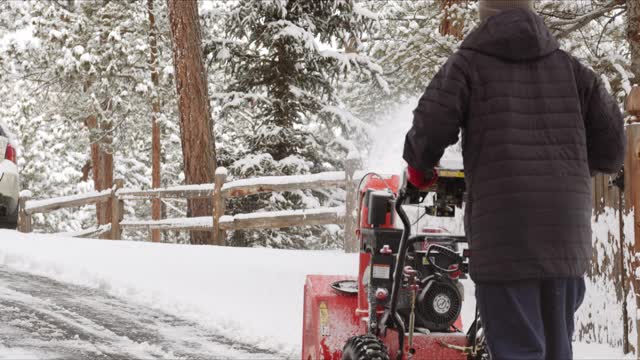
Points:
(102, 166)
(196, 124)
(633, 36)
(156, 207)
(451, 23)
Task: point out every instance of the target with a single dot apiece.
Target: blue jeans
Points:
(532, 320)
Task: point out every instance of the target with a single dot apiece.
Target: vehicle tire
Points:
(365, 347)
(9, 225)
(11, 221)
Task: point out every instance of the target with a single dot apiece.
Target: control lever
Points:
(410, 275)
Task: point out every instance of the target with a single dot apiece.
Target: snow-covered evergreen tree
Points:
(281, 114)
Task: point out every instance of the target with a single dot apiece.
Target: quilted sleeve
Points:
(439, 115)
(603, 122)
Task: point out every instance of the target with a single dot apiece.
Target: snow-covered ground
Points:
(251, 295)
(41, 318)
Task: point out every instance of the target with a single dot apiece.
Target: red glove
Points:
(419, 179)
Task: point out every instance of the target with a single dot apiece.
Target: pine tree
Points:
(281, 113)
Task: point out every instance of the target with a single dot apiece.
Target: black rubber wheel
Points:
(365, 347)
(10, 225)
(10, 221)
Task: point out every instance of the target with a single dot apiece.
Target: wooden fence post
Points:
(350, 226)
(117, 210)
(219, 235)
(632, 184)
(623, 271)
(632, 194)
(24, 223)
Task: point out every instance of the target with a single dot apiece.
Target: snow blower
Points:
(407, 298)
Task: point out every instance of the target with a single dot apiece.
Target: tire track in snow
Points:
(44, 318)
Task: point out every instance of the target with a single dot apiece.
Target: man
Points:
(536, 125)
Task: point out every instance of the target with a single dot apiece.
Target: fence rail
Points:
(46, 205)
(176, 192)
(283, 219)
(219, 192)
(193, 223)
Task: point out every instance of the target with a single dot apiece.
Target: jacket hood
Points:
(513, 35)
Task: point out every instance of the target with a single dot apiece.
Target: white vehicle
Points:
(9, 180)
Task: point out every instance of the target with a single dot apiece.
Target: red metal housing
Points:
(329, 318)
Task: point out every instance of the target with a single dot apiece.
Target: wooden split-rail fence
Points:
(220, 191)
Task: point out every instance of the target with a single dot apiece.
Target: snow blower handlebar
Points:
(409, 194)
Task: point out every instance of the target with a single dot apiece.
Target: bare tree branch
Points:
(563, 27)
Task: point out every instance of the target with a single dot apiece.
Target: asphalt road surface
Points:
(41, 318)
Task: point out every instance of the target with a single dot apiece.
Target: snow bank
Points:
(250, 295)
(598, 352)
(599, 319)
(19, 354)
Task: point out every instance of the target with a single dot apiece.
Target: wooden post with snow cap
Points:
(632, 104)
(350, 226)
(24, 223)
(117, 210)
(219, 235)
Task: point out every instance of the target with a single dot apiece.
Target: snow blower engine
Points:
(429, 297)
(407, 299)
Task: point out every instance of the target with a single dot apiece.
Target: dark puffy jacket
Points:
(536, 124)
